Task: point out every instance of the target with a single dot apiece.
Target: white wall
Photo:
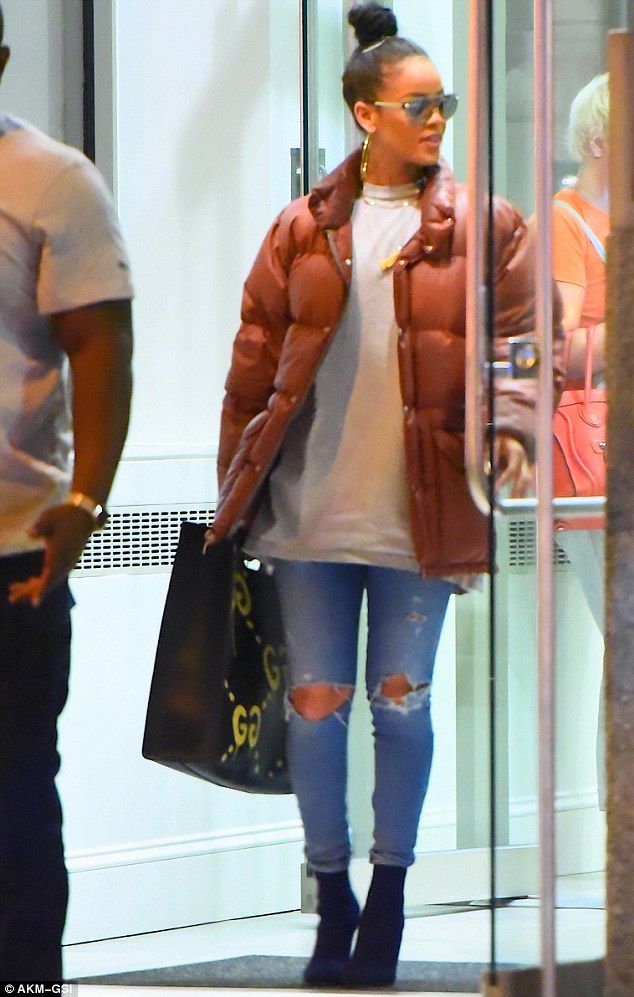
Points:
(206, 116)
(33, 83)
(332, 112)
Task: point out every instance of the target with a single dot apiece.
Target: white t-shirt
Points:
(339, 491)
(60, 249)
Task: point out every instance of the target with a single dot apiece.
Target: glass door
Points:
(453, 861)
(485, 780)
(544, 109)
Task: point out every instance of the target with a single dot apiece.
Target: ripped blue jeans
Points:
(321, 604)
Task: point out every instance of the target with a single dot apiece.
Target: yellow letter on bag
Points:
(271, 670)
(255, 715)
(240, 727)
(241, 594)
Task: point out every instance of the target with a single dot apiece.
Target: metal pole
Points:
(545, 573)
(479, 308)
(476, 230)
(309, 153)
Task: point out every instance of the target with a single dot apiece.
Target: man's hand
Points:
(65, 530)
(512, 467)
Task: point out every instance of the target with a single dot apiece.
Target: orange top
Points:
(575, 260)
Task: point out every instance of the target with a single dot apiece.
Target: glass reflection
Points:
(579, 179)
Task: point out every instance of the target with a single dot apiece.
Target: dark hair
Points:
(372, 23)
(1, 26)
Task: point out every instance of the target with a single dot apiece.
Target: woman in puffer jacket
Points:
(342, 455)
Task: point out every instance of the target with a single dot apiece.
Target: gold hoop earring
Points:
(365, 155)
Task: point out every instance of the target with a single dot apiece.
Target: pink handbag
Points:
(579, 443)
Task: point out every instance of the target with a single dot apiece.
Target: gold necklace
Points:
(390, 260)
(402, 201)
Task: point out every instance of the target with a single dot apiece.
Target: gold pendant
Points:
(390, 260)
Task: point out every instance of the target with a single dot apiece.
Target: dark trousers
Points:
(34, 663)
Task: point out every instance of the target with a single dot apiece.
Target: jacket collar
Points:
(332, 200)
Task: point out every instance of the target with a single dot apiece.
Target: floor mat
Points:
(285, 972)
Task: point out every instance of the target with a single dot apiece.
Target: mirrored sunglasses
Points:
(421, 108)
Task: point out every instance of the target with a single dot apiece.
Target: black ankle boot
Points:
(339, 916)
(375, 956)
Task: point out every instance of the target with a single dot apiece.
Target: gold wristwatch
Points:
(96, 510)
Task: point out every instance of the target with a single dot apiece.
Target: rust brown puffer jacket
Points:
(293, 300)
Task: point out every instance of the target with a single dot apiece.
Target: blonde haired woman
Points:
(577, 267)
(580, 228)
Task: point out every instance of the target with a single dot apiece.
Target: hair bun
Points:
(371, 23)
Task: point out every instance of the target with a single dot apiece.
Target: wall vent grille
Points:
(139, 538)
(144, 538)
(523, 545)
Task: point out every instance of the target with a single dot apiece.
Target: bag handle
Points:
(590, 330)
(589, 351)
(587, 380)
(588, 412)
(592, 236)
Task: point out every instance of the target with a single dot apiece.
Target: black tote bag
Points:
(216, 705)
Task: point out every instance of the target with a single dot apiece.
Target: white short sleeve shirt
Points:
(60, 249)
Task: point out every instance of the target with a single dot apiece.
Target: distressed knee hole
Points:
(318, 700)
(396, 687)
(398, 691)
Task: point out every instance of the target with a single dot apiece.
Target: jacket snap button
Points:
(405, 409)
(402, 262)
(348, 262)
(429, 249)
(293, 399)
(326, 328)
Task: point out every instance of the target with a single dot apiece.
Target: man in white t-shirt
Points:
(65, 316)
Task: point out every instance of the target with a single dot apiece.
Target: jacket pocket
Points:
(463, 538)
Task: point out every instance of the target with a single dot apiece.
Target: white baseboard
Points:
(156, 885)
(581, 829)
(565, 800)
(185, 846)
